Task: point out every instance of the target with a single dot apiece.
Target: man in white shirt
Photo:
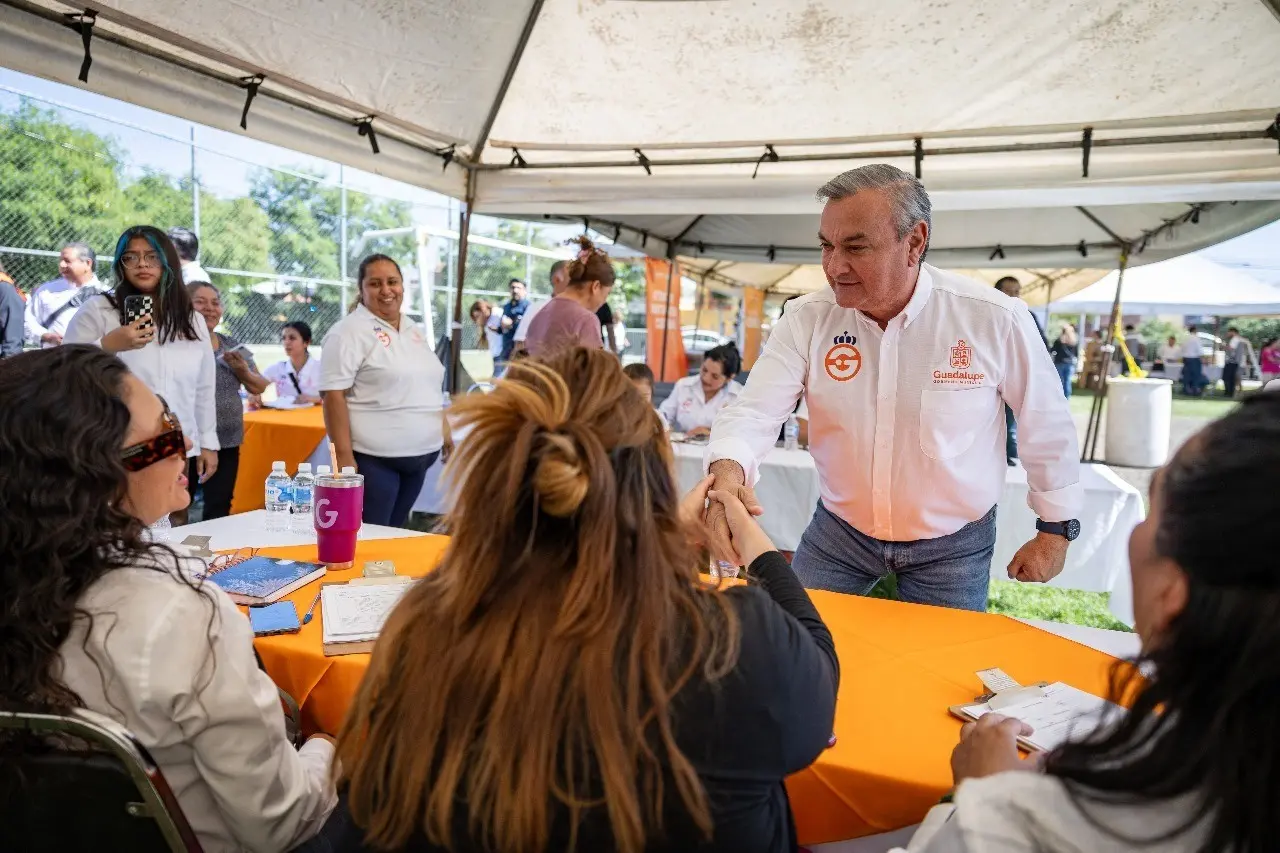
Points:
(906, 370)
(54, 303)
(559, 281)
(188, 246)
(1193, 380)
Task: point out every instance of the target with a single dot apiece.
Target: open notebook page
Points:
(355, 613)
(1061, 714)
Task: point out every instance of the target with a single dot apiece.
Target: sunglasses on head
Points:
(168, 443)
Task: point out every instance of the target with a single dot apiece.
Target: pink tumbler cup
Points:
(339, 505)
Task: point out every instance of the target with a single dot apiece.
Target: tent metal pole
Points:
(464, 232)
(1100, 397)
(483, 138)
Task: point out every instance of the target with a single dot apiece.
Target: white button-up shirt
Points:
(44, 309)
(181, 371)
(906, 424)
(394, 384)
(687, 406)
(283, 375)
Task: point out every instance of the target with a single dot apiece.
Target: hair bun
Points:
(560, 478)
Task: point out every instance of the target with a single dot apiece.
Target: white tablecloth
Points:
(1097, 562)
(249, 530)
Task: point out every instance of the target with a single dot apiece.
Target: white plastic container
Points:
(1139, 412)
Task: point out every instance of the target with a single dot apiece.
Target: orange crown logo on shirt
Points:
(961, 355)
(843, 360)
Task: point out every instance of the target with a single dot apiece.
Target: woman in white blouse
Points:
(168, 349)
(383, 391)
(695, 401)
(297, 378)
(99, 618)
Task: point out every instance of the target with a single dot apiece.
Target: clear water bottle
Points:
(721, 570)
(160, 530)
(278, 498)
(304, 487)
(791, 434)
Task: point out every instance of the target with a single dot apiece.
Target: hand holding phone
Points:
(134, 336)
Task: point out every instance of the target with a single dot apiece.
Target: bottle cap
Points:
(348, 471)
(304, 467)
(277, 466)
(323, 470)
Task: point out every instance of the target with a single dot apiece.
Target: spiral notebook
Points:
(262, 580)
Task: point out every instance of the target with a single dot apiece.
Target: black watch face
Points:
(1072, 529)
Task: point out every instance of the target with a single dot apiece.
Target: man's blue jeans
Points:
(950, 571)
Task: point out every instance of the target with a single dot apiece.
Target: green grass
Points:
(1204, 408)
(1035, 601)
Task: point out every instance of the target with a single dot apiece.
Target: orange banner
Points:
(752, 320)
(663, 321)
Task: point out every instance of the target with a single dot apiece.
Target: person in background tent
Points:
(1269, 361)
(1190, 768)
(1170, 353)
(1193, 378)
(1095, 352)
(12, 316)
(1012, 288)
(54, 303)
(1066, 351)
(695, 401)
(513, 312)
(169, 350)
(605, 315)
(1133, 343)
(641, 377)
(383, 390)
(99, 617)
(606, 669)
(297, 376)
(906, 370)
(188, 246)
(1240, 359)
(489, 320)
(235, 369)
(559, 276)
(570, 318)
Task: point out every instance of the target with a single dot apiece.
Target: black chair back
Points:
(84, 783)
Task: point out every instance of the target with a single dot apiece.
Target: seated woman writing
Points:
(97, 617)
(1192, 767)
(572, 684)
(695, 401)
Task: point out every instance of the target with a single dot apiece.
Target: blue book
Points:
(262, 580)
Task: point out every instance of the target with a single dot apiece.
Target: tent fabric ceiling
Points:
(838, 81)
(1186, 285)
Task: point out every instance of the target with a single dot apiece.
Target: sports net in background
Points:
(281, 240)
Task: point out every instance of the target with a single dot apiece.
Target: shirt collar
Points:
(924, 289)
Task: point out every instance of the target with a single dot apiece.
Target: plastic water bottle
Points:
(160, 530)
(303, 491)
(278, 498)
(723, 570)
(791, 434)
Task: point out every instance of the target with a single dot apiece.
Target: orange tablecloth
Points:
(270, 435)
(901, 666)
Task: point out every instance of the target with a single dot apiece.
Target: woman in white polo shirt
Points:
(695, 401)
(169, 349)
(296, 377)
(383, 392)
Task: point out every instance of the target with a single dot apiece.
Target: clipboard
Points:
(963, 712)
(1056, 711)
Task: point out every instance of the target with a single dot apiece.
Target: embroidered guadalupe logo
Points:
(961, 356)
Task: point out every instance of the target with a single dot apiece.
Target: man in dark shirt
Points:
(1010, 286)
(12, 310)
(512, 313)
(605, 316)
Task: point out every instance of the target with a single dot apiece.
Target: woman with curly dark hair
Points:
(97, 617)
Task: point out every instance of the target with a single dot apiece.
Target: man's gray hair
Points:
(84, 252)
(910, 201)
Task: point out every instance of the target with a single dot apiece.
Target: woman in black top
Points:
(1065, 352)
(571, 684)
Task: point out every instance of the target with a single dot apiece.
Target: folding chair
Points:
(83, 782)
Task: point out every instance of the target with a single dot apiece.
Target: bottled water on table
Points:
(304, 487)
(721, 569)
(278, 498)
(791, 434)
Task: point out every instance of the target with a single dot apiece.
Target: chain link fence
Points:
(281, 233)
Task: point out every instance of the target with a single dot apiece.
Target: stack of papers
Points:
(1058, 714)
(354, 613)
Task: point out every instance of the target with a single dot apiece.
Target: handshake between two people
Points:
(721, 511)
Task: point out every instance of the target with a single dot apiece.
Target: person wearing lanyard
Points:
(383, 390)
(169, 350)
(694, 401)
(297, 377)
(906, 370)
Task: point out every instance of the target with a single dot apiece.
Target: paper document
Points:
(1061, 713)
(354, 613)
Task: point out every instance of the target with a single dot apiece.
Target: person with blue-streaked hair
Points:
(168, 348)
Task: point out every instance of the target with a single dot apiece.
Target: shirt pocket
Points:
(951, 417)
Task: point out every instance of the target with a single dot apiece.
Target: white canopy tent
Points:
(1050, 133)
(1186, 285)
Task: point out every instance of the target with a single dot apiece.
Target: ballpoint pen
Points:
(312, 608)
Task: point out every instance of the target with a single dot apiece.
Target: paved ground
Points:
(1180, 430)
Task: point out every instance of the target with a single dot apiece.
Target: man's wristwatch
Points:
(1068, 529)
